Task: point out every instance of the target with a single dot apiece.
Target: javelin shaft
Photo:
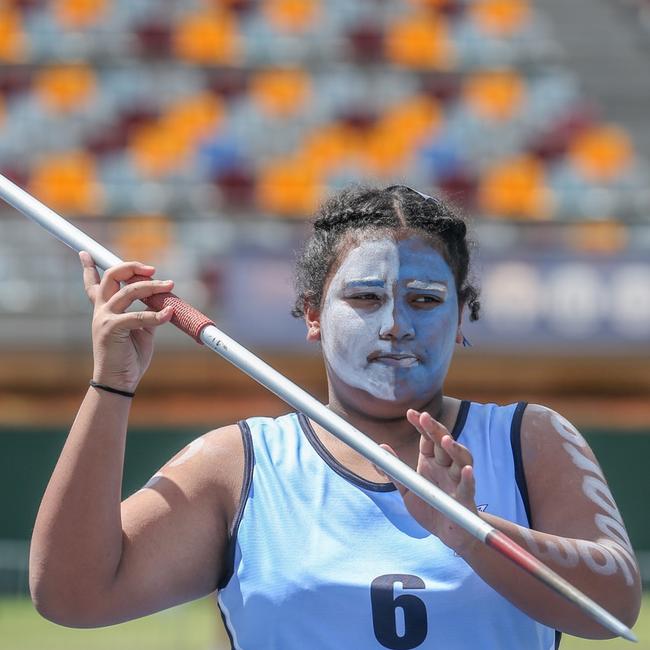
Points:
(396, 469)
(56, 225)
(207, 333)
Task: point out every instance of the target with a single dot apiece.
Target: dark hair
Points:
(396, 208)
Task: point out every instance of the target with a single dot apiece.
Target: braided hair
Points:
(399, 209)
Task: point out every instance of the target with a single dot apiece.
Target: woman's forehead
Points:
(382, 255)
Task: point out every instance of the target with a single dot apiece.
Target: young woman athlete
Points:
(307, 543)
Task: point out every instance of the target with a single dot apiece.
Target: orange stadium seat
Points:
(281, 92)
(601, 153)
(208, 38)
(68, 182)
(12, 37)
(65, 88)
(194, 117)
(384, 152)
(289, 187)
(515, 188)
(398, 132)
(495, 95)
(157, 151)
(79, 14)
(500, 18)
(326, 147)
(420, 41)
(293, 16)
(143, 237)
(414, 118)
(162, 146)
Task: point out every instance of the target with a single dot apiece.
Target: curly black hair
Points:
(397, 208)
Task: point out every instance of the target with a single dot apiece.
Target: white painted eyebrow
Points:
(427, 286)
(365, 282)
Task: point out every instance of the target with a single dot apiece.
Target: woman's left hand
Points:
(448, 465)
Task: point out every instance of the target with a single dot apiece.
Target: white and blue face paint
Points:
(389, 318)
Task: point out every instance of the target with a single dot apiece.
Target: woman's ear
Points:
(312, 320)
(459, 331)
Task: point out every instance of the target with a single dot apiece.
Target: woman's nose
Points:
(396, 323)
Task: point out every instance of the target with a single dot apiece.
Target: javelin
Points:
(203, 330)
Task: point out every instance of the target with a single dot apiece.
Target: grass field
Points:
(195, 626)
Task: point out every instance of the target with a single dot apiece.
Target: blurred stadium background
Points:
(199, 135)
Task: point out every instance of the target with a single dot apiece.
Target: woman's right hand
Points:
(122, 342)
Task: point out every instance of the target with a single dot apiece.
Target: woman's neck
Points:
(393, 428)
(396, 432)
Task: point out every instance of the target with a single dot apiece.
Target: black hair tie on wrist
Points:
(110, 389)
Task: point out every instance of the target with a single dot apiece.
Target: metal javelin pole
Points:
(201, 328)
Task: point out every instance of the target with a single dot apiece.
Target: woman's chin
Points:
(380, 405)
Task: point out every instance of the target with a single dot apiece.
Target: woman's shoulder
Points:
(274, 437)
(545, 433)
(261, 422)
(532, 420)
(491, 413)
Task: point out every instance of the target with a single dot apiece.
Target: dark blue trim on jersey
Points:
(461, 418)
(323, 452)
(348, 475)
(520, 475)
(249, 463)
(225, 627)
(515, 441)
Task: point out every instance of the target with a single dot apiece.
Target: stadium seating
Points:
(256, 108)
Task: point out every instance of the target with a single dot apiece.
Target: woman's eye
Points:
(423, 300)
(365, 296)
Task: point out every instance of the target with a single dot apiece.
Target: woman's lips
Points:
(397, 360)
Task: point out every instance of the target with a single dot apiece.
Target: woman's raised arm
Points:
(93, 560)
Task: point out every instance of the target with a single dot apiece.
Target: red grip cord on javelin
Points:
(187, 318)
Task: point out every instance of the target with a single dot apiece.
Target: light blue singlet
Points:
(321, 559)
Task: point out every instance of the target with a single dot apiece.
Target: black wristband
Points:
(110, 389)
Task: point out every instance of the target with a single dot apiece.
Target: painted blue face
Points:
(389, 319)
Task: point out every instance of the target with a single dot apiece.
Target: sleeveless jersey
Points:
(323, 559)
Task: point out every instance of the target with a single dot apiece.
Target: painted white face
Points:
(389, 319)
